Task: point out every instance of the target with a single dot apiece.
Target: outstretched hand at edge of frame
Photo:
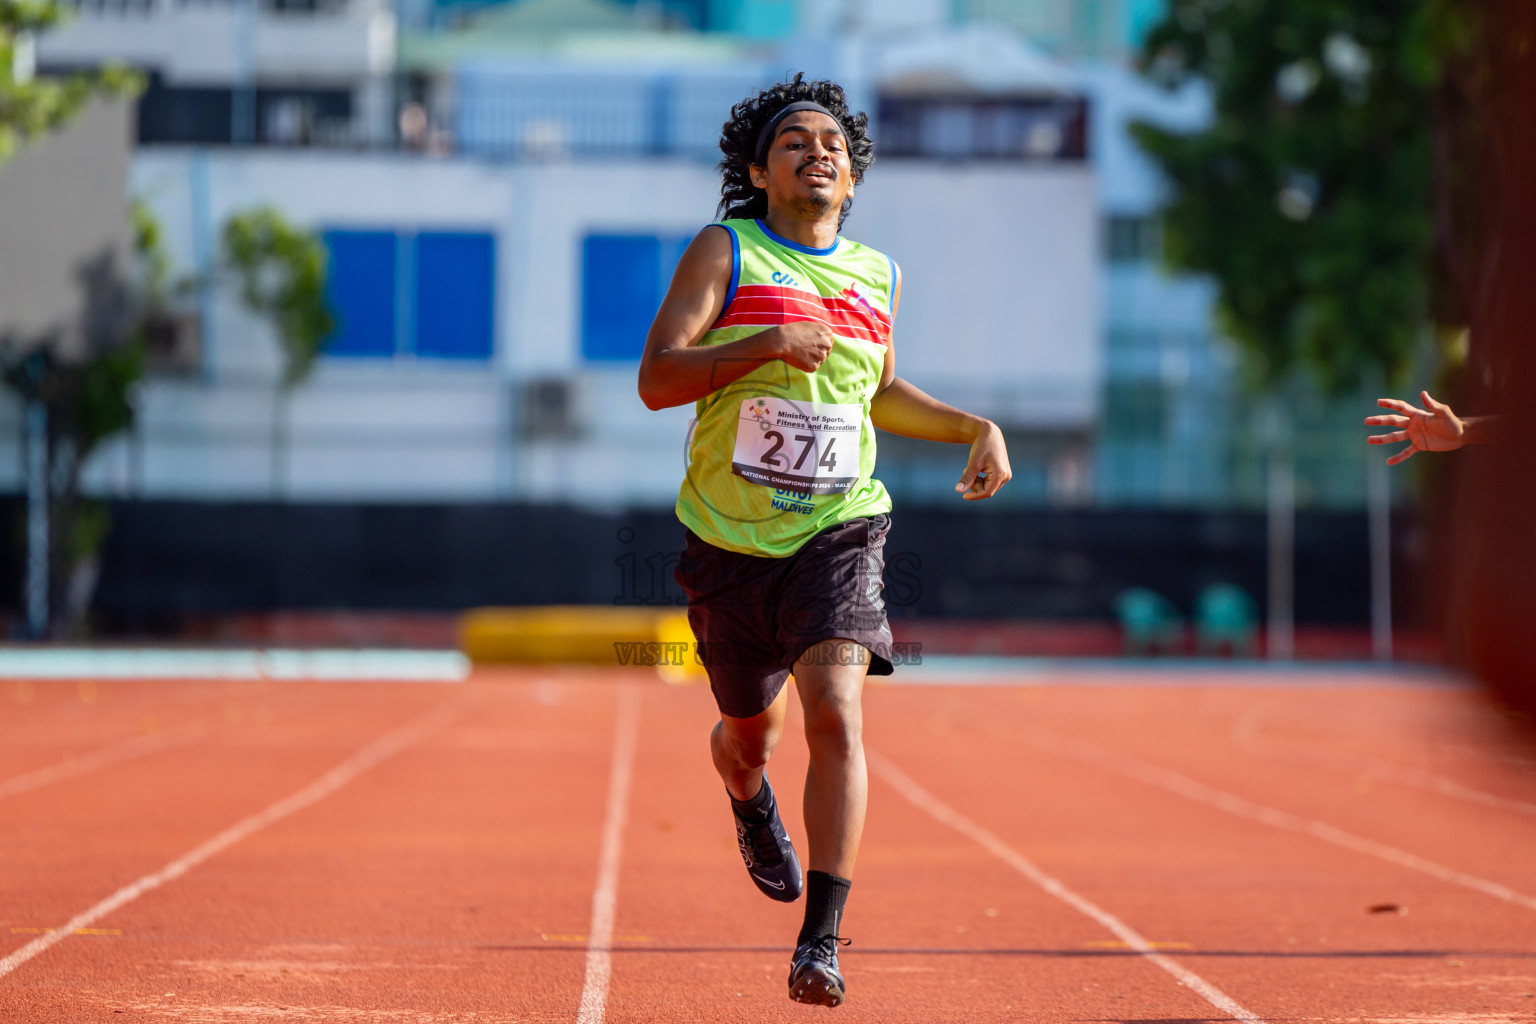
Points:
(1435, 428)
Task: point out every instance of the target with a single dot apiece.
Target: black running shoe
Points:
(770, 856)
(813, 974)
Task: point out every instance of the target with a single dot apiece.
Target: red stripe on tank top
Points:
(770, 305)
(849, 300)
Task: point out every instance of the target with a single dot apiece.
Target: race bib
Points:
(798, 446)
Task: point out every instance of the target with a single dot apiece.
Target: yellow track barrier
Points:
(583, 634)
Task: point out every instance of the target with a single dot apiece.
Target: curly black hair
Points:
(738, 141)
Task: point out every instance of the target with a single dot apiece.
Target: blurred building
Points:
(504, 189)
(278, 72)
(1079, 29)
(1069, 28)
(1168, 379)
(494, 268)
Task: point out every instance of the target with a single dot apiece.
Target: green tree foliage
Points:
(281, 269)
(1309, 197)
(153, 262)
(104, 404)
(29, 106)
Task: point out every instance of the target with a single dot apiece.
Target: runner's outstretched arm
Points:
(904, 409)
(674, 371)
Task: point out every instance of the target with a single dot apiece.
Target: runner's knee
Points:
(750, 747)
(834, 722)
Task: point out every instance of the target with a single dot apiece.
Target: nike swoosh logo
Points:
(760, 878)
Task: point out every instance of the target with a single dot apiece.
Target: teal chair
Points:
(1225, 619)
(1149, 622)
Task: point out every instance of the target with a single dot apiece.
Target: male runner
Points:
(780, 331)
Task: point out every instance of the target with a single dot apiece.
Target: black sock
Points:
(758, 809)
(824, 898)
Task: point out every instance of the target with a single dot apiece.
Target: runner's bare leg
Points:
(830, 678)
(741, 746)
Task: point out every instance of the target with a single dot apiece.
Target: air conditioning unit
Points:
(172, 341)
(548, 409)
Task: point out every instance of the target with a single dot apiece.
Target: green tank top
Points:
(780, 455)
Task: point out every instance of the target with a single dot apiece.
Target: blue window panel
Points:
(360, 291)
(623, 279)
(618, 295)
(453, 311)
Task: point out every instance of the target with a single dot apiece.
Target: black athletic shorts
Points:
(753, 616)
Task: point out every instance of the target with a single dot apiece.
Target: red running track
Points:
(1119, 848)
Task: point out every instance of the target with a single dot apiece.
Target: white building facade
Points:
(536, 400)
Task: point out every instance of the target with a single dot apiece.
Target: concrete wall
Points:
(63, 245)
(64, 229)
(999, 306)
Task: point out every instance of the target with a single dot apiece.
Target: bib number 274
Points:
(771, 457)
(798, 445)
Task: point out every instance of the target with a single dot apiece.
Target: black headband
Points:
(765, 136)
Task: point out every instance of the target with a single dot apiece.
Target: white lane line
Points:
(112, 753)
(381, 749)
(1436, 783)
(1386, 771)
(1004, 670)
(594, 989)
(384, 665)
(942, 812)
(1199, 792)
